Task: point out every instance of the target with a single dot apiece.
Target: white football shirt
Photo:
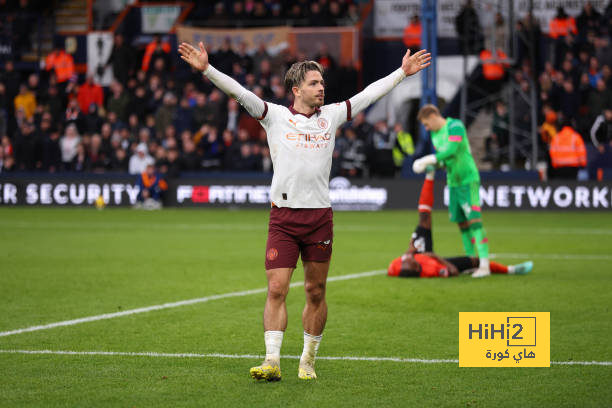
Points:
(301, 148)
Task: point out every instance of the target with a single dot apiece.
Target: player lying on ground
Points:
(301, 140)
(421, 261)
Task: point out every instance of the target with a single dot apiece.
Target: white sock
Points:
(274, 341)
(511, 269)
(311, 346)
(484, 263)
(430, 175)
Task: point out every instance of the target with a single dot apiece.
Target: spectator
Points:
(28, 148)
(6, 146)
(467, 25)
(119, 161)
(599, 98)
(569, 100)
(151, 187)
(244, 59)
(173, 164)
(352, 155)
(212, 147)
(380, 147)
(231, 149)
(588, 20)
(26, 101)
(8, 164)
(74, 115)
(140, 159)
(183, 117)
(225, 56)
(404, 146)
(52, 153)
(601, 136)
(412, 33)
(567, 153)
(90, 93)
(166, 114)
(80, 163)
(559, 29)
(548, 130)
(68, 145)
(154, 50)
(119, 101)
(61, 63)
(494, 66)
(122, 60)
(190, 159)
(247, 161)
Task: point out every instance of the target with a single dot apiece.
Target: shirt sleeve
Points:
(456, 134)
(374, 92)
(251, 102)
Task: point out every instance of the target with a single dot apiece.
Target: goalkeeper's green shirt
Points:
(453, 150)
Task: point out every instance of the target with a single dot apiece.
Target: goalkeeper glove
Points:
(421, 164)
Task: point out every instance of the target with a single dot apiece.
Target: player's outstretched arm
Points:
(411, 64)
(198, 59)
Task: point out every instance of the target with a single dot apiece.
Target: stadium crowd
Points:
(573, 82)
(54, 120)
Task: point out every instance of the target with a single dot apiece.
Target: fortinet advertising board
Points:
(345, 194)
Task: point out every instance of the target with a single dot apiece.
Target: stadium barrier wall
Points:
(353, 195)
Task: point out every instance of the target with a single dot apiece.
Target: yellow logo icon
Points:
(508, 339)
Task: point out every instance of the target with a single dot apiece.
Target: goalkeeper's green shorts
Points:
(464, 202)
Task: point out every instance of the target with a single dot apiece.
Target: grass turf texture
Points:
(61, 264)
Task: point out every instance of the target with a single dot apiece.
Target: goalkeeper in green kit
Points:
(449, 138)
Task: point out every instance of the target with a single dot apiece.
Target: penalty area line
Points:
(255, 356)
(171, 305)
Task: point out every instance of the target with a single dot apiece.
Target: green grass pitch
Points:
(63, 264)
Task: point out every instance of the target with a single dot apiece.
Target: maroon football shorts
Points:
(291, 232)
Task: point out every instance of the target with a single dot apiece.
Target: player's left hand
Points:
(411, 64)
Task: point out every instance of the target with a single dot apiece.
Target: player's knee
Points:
(277, 290)
(315, 291)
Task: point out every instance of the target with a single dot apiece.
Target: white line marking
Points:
(255, 356)
(173, 305)
(578, 257)
(262, 227)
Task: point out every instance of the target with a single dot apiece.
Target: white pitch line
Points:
(262, 227)
(171, 305)
(255, 356)
(578, 257)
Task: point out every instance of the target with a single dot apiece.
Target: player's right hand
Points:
(197, 59)
(420, 165)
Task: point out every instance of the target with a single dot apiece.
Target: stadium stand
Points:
(55, 119)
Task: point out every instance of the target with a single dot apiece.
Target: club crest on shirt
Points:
(323, 123)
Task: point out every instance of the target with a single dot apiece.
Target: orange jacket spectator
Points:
(562, 26)
(567, 149)
(90, 93)
(151, 47)
(412, 33)
(493, 68)
(62, 63)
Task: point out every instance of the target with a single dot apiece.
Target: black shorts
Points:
(421, 240)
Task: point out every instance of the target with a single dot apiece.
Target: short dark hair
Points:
(297, 73)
